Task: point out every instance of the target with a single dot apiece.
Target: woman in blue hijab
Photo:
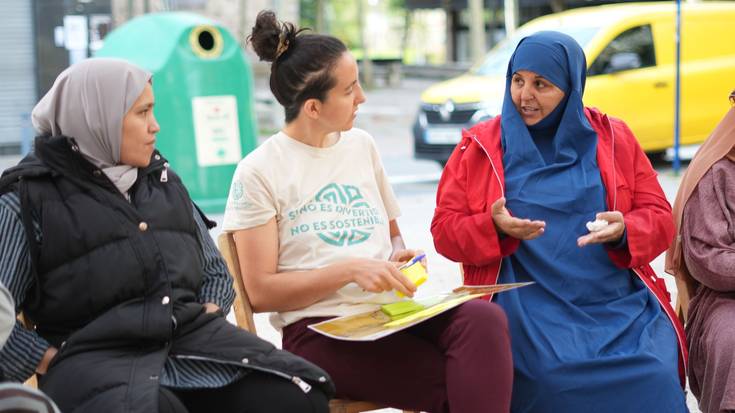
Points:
(596, 331)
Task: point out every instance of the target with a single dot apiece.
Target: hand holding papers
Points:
(373, 325)
(608, 227)
(596, 225)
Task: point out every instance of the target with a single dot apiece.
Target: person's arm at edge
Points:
(707, 244)
(25, 352)
(216, 292)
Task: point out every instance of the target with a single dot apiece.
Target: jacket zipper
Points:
(615, 173)
(304, 386)
(679, 338)
(164, 173)
(492, 164)
(502, 192)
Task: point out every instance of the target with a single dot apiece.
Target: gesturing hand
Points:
(519, 228)
(611, 233)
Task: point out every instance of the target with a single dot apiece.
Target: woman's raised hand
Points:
(611, 233)
(519, 228)
(377, 276)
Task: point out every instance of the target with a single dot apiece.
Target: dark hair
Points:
(302, 63)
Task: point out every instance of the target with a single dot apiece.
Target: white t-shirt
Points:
(330, 204)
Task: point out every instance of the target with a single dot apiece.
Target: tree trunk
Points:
(406, 30)
(557, 6)
(510, 9)
(320, 26)
(447, 5)
(477, 30)
(367, 64)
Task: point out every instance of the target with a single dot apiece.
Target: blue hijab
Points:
(565, 134)
(587, 336)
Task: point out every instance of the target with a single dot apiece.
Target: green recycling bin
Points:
(204, 96)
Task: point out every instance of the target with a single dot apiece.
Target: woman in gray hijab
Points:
(104, 251)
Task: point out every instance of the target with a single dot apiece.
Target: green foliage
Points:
(340, 19)
(343, 21)
(397, 5)
(308, 13)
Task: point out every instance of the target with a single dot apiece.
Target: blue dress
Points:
(588, 336)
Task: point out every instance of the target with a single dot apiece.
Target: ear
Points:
(312, 108)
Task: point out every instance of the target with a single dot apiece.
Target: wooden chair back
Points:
(242, 308)
(244, 316)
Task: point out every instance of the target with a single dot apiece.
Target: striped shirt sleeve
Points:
(217, 285)
(24, 348)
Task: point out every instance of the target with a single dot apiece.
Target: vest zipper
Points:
(304, 386)
(164, 173)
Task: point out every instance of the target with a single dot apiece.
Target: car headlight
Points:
(422, 118)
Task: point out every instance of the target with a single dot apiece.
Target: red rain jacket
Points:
(473, 180)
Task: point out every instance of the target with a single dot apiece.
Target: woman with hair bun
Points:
(314, 220)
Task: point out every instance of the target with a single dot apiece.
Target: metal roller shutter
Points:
(17, 72)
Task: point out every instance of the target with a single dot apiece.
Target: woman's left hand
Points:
(404, 255)
(611, 233)
(211, 308)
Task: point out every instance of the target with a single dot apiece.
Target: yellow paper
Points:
(416, 273)
(436, 309)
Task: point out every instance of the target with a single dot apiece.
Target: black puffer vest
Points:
(116, 284)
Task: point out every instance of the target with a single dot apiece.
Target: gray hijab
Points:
(88, 102)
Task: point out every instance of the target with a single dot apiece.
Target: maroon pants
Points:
(459, 361)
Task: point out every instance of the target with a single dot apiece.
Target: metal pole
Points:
(477, 30)
(677, 97)
(511, 12)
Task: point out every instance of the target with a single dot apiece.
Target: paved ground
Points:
(388, 115)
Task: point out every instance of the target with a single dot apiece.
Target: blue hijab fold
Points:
(565, 134)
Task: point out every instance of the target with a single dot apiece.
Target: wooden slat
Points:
(242, 307)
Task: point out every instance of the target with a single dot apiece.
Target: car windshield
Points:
(496, 62)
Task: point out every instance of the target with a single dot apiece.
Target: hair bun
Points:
(271, 38)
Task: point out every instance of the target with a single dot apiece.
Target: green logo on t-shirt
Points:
(236, 190)
(350, 219)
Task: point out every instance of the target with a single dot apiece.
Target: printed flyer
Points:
(374, 325)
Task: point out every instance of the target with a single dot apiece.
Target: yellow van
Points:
(630, 73)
